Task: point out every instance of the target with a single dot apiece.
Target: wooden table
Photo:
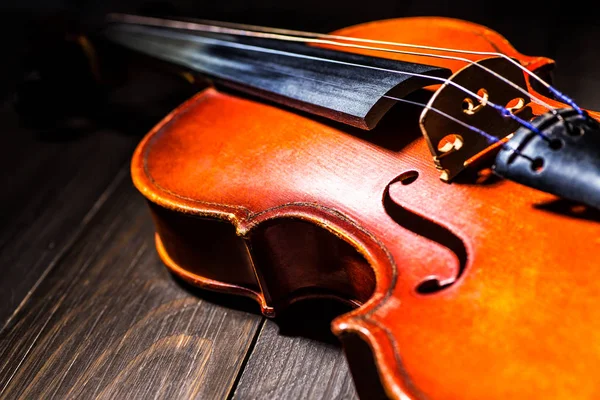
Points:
(88, 310)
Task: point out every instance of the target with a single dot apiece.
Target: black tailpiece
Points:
(566, 162)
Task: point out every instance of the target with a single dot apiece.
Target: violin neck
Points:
(345, 87)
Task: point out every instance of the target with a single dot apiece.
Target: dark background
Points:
(565, 31)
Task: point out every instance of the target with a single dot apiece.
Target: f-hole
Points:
(426, 228)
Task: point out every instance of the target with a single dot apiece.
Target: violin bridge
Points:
(453, 118)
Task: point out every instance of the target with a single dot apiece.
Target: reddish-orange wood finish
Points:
(255, 200)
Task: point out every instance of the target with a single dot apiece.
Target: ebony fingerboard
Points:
(345, 87)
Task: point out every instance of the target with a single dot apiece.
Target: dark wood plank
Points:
(297, 357)
(109, 321)
(51, 188)
(54, 178)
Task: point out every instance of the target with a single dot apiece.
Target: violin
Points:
(421, 170)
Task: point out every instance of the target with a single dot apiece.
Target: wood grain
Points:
(62, 217)
(51, 189)
(56, 175)
(297, 357)
(109, 321)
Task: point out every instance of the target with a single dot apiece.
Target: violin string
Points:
(487, 136)
(310, 37)
(277, 36)
(502, 110)
(490, 138)
(256, 28)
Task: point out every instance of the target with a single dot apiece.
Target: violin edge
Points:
(347, 327)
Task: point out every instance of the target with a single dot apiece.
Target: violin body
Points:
(477, 290)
